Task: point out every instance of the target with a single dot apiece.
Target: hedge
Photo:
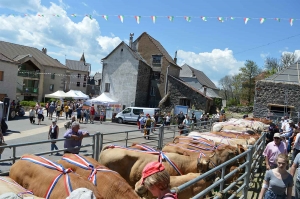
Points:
(31, 103)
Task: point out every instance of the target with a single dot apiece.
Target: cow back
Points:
(38, 179)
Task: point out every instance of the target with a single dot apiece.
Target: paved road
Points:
(21, 131)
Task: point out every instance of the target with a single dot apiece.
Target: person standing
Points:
(66, 109)
(168, 119)
(272, 150)
(142, 122)
(1, 141)
(287, 133)
(51, 110)
(278, 183)
(78, 110)
(296, 147)
(32, 115)
(37, 106)
(157, 180)
(74, 138)
(296, 166)
(101, 116)
(194, 119)
(147, 126)
(53, 134)
(87, 115)
(47, 108)
(92, 113)
(40, 115)
(180, 118)
(58, 109)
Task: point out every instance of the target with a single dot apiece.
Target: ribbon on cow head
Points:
(84, 164)
(51, 165)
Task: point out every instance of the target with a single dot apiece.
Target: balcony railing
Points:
(28, 73)
(31, 90)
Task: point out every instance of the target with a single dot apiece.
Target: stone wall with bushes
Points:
(240, 109)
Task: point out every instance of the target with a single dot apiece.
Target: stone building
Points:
(8, 76)
(181, 93)
(77, 74)
(126, 76)
(279, 94)
(93, 85)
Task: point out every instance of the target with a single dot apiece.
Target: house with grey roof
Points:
(94, 83)
(8, 76)
(78, 74)
(279, 94)
(37, 72)
(198, 80)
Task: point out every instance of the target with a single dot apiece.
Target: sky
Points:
(216, 46)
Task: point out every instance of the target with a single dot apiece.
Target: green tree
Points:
(226, 86)
(237, 88)
(248, 72)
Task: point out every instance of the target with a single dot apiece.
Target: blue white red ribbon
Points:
(51, 165)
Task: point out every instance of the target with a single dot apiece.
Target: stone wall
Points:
(269, 92)
(177, 90)
(241, 109)
(143, 84)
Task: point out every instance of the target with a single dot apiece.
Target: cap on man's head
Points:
(54, 120)
(282, 118)
(276, 135)
(150, 169)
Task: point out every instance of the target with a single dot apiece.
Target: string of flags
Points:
(170, 18)
(32, 73)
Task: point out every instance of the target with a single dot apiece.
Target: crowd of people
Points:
(283, 144)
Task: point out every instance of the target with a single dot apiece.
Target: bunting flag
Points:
(121, 17)
(291, 21)
(40, 15)
(262, 20)
(246, 20)
(89, 16)
(137, 18)
(171, 18)
(105, 17)
(188, 19)
(204, 18)
(12, 15)
(55, 15)
(25, 15)
(232, 18)
(153, 18)
(220, 19)
(277, 19)
(73, 15)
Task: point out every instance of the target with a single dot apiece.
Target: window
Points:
(184, 102)
(1, 75)
(84, 79)
(107, 87)
(137, 111)
(52, 75)
(156, 60)
(79, 76)
(156, 75)
(152, 91)
(51, 88)
(78, 84)
(84, 84)
(128, 110)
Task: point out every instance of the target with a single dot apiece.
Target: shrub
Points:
(30, 103)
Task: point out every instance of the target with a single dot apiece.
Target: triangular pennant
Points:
(291, 21)
(89, 16)
(220, 19)
(188, 19)
(73, 15)
(40, 15)
(246, 20)
(204, 18)
(171, 18)
(121, 17)
(262, 20)
(137, 18)
(277, 19)
(232, 18)
(153, 18)
(105, 17)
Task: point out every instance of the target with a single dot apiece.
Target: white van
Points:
(130, 114)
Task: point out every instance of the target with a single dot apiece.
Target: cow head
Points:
(203, 164)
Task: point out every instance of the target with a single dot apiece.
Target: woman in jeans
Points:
(53, 134)
(277, 181)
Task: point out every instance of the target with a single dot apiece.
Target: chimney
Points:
(44, 50)
(204, 90)
(131, 39)
(175, 58)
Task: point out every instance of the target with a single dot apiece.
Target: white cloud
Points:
(60, 35)
(215, 64)
(296, 52)
(86, 5)
(264, 55)
(63, 5)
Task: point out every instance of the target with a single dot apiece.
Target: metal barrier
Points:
(253, 161)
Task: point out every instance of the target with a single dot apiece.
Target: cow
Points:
(130, 163)
(8, 185)
(39, 178)
(263, 120)
(175, 181)
(109, 183)
(240, 125)
(236, 135)
(223, 140)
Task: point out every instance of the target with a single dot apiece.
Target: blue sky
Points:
(214, 47)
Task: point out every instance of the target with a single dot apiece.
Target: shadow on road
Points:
(10, 132)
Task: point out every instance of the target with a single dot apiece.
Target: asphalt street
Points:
(22, 131)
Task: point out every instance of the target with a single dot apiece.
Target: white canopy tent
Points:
(58, 94)
(103, 99)
(77, 94)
